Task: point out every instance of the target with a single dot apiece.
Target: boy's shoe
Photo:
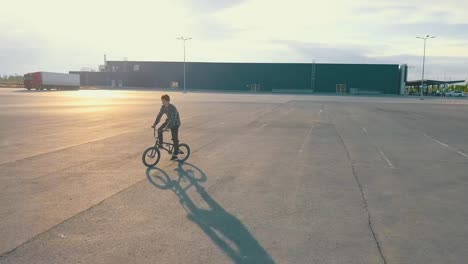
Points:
(174, 158)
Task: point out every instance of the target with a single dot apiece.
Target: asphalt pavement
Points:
(271, 179)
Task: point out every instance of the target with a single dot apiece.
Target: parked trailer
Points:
(51, 80)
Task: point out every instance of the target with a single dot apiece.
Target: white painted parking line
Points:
(441, 143)
(459, 152)
(382, 154)
(264, 125)
(463, 154)
(389, 163)
(305, 140)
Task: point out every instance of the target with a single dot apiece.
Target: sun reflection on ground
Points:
(99, 94)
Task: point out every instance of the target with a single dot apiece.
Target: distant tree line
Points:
(11, 78)
(459, 88)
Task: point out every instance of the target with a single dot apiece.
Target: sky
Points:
(62, 35)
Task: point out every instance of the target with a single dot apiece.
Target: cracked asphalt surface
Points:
(271, 179)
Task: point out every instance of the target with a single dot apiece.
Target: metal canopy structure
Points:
(417, 83)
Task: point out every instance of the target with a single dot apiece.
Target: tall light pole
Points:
(312, 76)
(424, 60)
(184, 40)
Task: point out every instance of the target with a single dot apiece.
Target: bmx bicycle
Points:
(152, 155)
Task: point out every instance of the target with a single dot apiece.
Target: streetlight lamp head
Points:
(184, 38)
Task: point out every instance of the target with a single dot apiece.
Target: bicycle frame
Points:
(170, 147)
(155, 151)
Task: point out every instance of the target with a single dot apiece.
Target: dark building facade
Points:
(265, 77)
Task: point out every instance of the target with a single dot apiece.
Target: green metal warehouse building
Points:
(259, 77)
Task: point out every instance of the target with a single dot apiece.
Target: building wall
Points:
(379, 78)
(240, 76)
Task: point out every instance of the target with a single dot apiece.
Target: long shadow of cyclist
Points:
(223, 228)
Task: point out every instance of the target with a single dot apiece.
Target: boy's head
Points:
(165, 99)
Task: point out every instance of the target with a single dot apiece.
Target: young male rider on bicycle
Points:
(172, 123)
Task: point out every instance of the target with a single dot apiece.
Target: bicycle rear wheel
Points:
(151, 156)
(184, 152)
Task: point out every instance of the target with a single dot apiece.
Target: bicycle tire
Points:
(156, 155)
(186, 150)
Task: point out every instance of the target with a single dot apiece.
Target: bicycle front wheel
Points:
(151, 156)
(184, 152)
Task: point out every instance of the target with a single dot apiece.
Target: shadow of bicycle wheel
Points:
(158, 178)
(191, 171)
